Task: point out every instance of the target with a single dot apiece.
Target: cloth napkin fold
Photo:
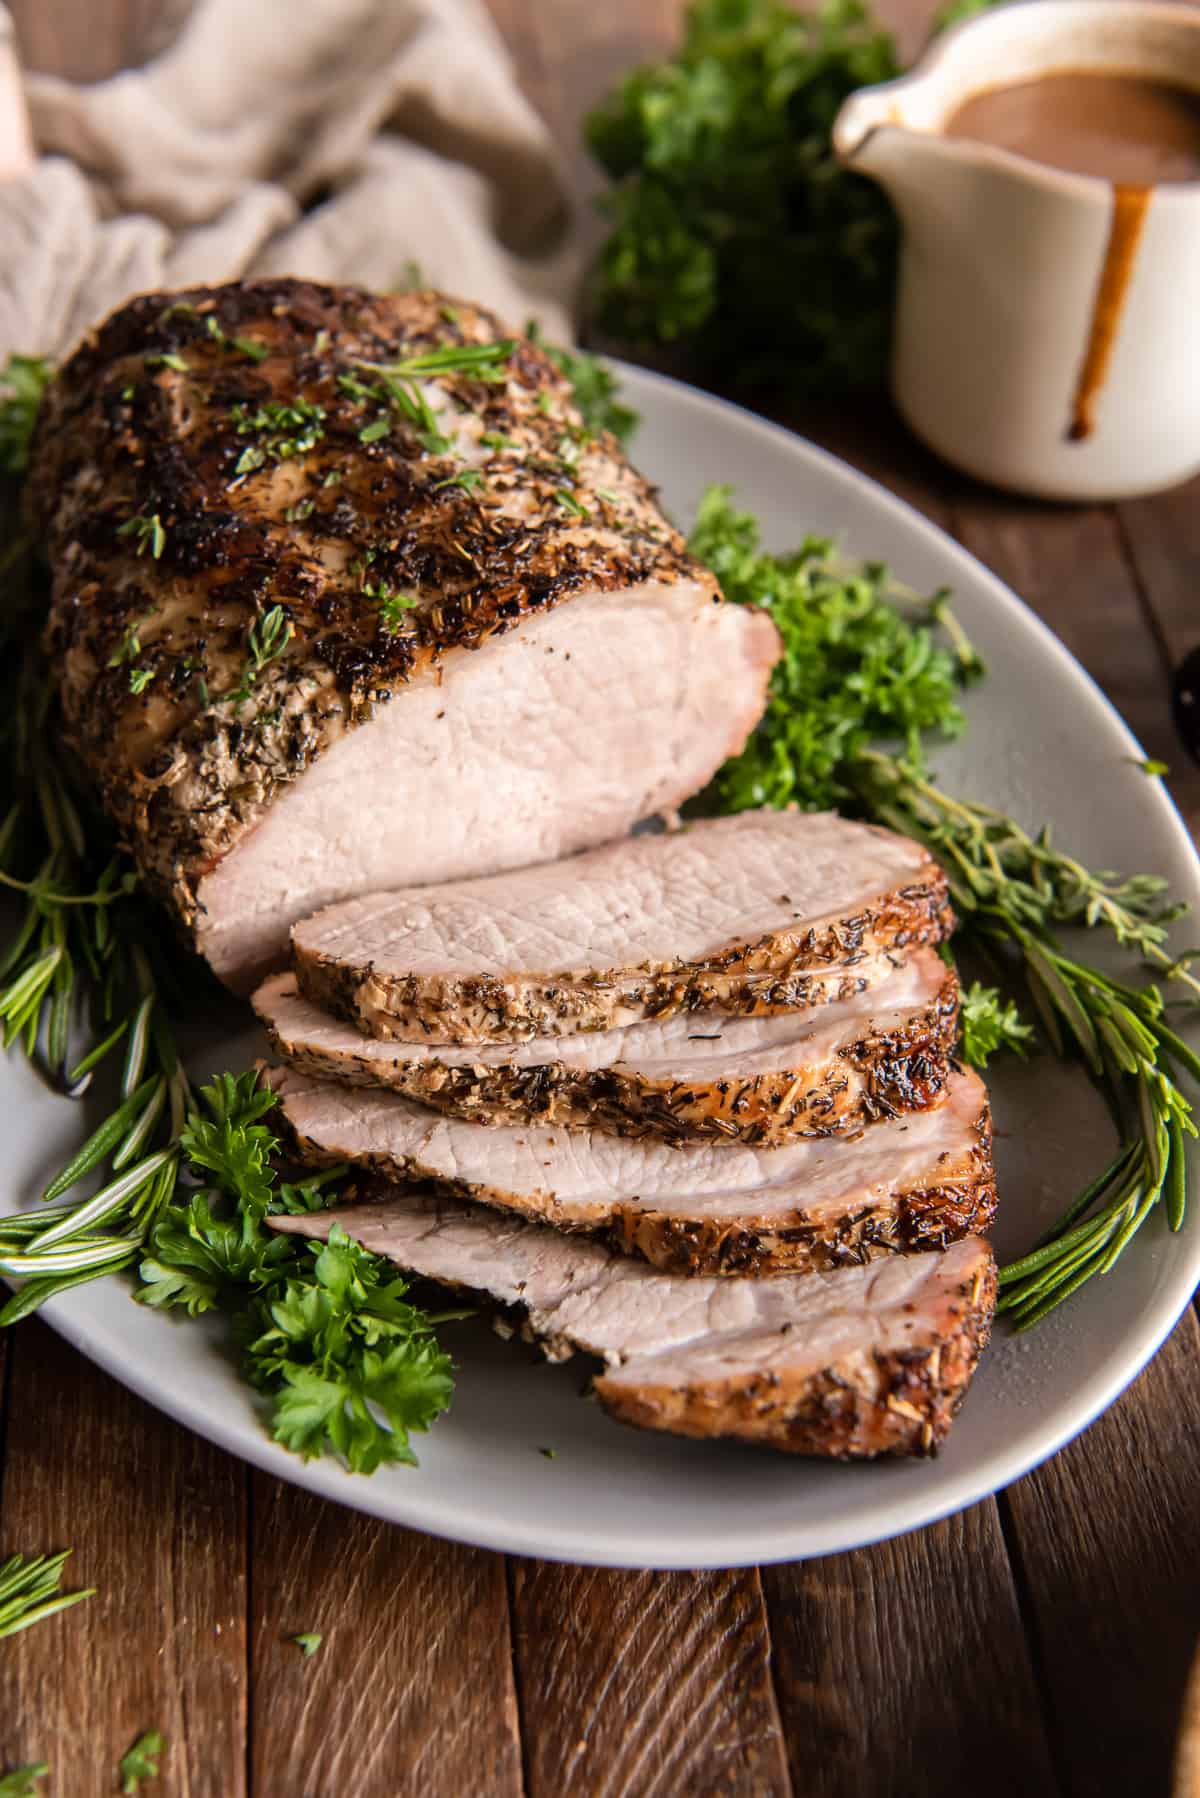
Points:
(383, 142)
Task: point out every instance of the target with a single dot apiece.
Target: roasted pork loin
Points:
(713, 1208)
(747, 913)
(691, 1076)
(329, 622)
(859, 1362)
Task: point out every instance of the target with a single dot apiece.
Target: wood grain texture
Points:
(1106, 1539)
(156, 1517)
(1163, 537)
(902, 1670)
(644, 1685)
(1069, 565)
(411, 1691)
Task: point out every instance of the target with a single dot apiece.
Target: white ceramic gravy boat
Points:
(1003, 261)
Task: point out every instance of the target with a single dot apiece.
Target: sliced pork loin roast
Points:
(714, 1208)
(880, 1050)
(863, 1361)
(331, 617)
(735, 913)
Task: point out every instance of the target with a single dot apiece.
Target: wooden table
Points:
(1037, 1644)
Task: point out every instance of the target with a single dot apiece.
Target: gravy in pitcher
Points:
(1128, 129)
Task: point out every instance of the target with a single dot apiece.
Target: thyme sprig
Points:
(266, 640)
(860, 663)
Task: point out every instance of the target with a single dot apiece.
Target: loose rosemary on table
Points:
(187, 1180)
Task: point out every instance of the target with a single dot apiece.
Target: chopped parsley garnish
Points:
(18, 1782)
(378, 427)
(266, 639)
(141, 1761)
(392, 608)
(572, 504)
(302, 509)
(23, 381)
(496, 440)
(129, 648)
(308, 1642)
(139, 679)
(167, 359)
(283, 431)
(147, 533)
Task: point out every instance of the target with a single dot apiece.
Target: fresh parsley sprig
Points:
(733, 230)
(348, 1365)
(23, 380)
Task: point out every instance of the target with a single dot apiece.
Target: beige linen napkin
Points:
(374, 141)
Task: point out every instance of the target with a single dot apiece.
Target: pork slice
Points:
(881, 1048)
(320, 625)
(912, 1182)
(729, 913)
(848, 1364)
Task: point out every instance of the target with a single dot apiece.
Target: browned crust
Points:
(881, 1075)
(903, 1405)
(125, 434)
(770, 974)
(958, 1200)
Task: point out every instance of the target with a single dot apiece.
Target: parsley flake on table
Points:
(308, 1642)
(140, 1761)
(18, 1782)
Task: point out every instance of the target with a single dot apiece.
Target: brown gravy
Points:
(1129, 129)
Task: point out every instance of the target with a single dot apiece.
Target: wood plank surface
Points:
(157, 1520)
(1038, 1646)
(903, 1670)
(645, 1685)
(1106, 1541)
(411, 1691)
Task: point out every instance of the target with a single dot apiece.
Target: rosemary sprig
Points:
(397, 387)
(1011, 890)
(29, 1591)
(993, 863)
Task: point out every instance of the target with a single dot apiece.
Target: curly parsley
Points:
(23, 381)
